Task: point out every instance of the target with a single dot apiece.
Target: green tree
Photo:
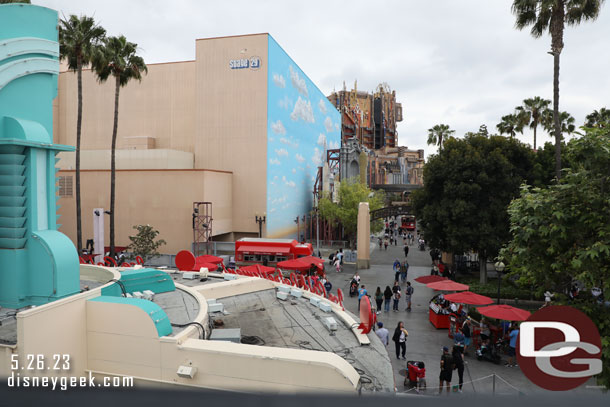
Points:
(533, 109)
(143, 244)
(553, 15)
(566, 122)
(561, 233)
(351, 193)
(117, 58)
(467, 189)
(599, 118)
(511, 124)
(78, 39)
(438, 134)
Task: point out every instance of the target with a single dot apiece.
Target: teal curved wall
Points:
(37, 263)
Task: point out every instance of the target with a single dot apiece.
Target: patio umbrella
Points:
(209, 266)
(185, 261)
(469, 298)
(311, 260)
(429, 279)
(207, 258)
(505, 312)
(447, 285)
(294, 264)
(258, 268)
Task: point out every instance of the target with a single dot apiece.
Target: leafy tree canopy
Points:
(143, 243)
(351, 193)
(599, 118)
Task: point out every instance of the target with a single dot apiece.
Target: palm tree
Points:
(117, 58)
(78, 38)
(552, 15)
(599, 118)
(566, 122)
(439, 133)
(533, 109)
(512, 124)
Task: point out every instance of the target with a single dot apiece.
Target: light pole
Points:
(499, 269)
(260, 220)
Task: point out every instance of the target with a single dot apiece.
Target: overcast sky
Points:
(460, 63)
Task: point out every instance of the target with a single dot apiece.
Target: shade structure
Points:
(257, 268)
(429, 279)
(505, 312)
(209, 266)
(447, 285)
(208, 258)
(298, 264)
(469, 298)
(311, 260)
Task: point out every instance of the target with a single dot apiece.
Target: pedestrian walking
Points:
(512, 345)
(446, 370)
(387, 296)
(361, 293)
(458, 360)
(383, 334)
(337, 264)
(378, 299)
(396, 295)
(396, 268)
(467, 332)
(340, 255)
(404, 269)
(385, 243)
(400, 340)
(406, 249)
(380, 241)
(408, 293)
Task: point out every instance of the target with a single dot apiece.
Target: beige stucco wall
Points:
(156, 159)
(232, 120)
(163, 199)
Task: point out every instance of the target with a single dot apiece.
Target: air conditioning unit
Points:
(203, 272)
(325, 306)
(229, 335)
(211, 301)
(330, 323)
(190, 275)
(315, 301)
(296, 292)
(284, 288)
(282, 295)
(216, 307)
(148, 295)
(188, 372)
(229, 276)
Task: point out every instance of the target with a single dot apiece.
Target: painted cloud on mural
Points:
(304, 122)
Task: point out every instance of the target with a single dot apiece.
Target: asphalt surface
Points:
(425, 342)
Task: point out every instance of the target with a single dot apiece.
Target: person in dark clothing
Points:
(458, 360)
(396, 295)
(387, 296)
(400, 340)
(446, 370)
(378, 299)
(406, 248)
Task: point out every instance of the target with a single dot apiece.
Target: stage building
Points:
(240, 126)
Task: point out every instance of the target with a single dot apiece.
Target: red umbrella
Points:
(258, 268)
(185, 261)
(504, 312)
(311, 260)
(448, 285)
(429, 279)
(209, 266)
(294, 264)
(207, 258)
(468, 297)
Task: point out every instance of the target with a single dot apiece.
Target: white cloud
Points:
(274, 161)
(284, 178)
(271, 210)
(328, 124)
(337, 126)
(274, 177)
(291, 184)
(298, 82)
(321, 140)
(278, 127)
(299, 158)
(282, 199)
(317, 159)
(294, 170)
(322, 106)
(279, 80)
(271, 139)
(285, 103)
(281, 152)
(303, 111)
(333, 145)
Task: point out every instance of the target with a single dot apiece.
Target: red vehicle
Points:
(408, 222)
(269, 251)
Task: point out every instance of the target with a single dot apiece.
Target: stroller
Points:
(353, 288)
(416, 376)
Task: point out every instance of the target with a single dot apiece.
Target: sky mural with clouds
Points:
(302, 123)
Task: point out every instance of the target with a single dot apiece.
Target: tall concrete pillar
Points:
(364, 236)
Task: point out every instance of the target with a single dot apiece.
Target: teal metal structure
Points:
(38, 264)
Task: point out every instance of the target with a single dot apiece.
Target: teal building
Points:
(38, 264)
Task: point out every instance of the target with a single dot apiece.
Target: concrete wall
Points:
(163, 199)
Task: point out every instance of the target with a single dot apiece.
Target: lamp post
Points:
(499, 269)
(260, 220)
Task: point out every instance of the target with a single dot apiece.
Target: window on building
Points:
(65, 186)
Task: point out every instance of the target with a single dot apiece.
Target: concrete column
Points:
(364, 236)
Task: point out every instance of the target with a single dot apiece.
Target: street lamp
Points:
(260, 220)
(499, 269)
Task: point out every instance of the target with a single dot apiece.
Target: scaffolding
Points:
(202, 227)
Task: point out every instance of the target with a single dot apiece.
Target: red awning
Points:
(208, 258)
(505, 312)
(429, 279)
(447, 285)
(264, 249)
(468, 297)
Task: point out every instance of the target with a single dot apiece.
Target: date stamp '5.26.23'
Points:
(53, 372)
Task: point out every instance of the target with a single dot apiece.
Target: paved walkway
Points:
(425, 342)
